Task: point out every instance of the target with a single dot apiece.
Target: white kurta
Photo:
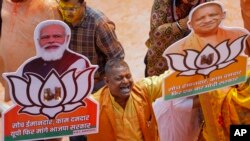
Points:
(176, 119)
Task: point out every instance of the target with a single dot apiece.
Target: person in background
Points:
(93, 35)
(168, 24)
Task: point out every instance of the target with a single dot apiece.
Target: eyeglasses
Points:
(69, 9)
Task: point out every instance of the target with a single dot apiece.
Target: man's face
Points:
(72, 11)
(206, 19)
(52, 42)
(120, 82)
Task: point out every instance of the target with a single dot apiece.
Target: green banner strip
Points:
(203, 90)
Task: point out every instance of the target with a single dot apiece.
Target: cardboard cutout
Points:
(210, 57)
(50, 92)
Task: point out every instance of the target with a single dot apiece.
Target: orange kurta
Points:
(140, 105)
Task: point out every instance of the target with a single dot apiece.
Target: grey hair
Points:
(46, 23)
(115, 63)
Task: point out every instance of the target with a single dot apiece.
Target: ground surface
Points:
(132, 25)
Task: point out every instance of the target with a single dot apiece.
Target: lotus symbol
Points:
(208, 60)
(51, 95)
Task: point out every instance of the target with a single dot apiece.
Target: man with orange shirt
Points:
(126, 111)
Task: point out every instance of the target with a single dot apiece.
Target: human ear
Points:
(106, 80)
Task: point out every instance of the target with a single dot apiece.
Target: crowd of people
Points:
(128, 110)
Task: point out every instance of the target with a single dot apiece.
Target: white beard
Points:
(54, 54)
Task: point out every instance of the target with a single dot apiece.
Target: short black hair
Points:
(115, 63)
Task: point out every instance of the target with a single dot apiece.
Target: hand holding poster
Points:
(51, 89)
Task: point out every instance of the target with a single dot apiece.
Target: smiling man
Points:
(126, 107)
(51, 40)
(205, 21)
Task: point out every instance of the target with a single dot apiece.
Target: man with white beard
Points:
(52, 40)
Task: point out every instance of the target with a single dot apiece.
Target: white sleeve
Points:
(176, 119)
(183, 104)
